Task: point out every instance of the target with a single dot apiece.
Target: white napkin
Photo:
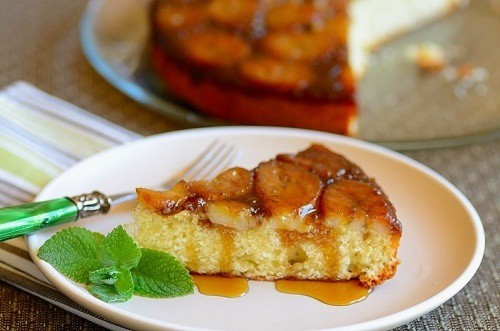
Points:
(40, 137)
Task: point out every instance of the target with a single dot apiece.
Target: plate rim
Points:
(115, 314)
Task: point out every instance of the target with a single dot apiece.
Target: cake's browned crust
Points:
(236, 105)
(315, 197)
(257, 62)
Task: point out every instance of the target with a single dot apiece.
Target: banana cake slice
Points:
(313, 215)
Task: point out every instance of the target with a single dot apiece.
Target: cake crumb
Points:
(466, 78)
(428, 56)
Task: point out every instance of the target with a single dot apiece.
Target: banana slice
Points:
(232, 214)
(231, 184)
(231, 13)
(171, 17)
(278, 74)
(288, 194)
(215, 49)
(334, 28)
(166, 202)
(357, 201)
(301, 46)
(326, 164)
(289, 15)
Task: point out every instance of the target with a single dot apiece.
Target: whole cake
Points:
(313, 215)
(277, 62)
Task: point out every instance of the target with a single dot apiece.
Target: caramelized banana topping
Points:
(292, 192)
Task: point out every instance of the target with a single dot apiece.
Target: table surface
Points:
(39, 43)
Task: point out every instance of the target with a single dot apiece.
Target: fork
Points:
(24, 219)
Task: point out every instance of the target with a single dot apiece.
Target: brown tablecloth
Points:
(39, 43)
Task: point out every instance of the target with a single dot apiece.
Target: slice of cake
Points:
(314, 215)
(287, 63)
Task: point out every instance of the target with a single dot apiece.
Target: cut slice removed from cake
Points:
(313, 215)
(374, 22)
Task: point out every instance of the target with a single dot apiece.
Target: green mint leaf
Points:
(160, 275)
(74, 252)
(120, 250)
(111, 284)
(108, 275)
(114, 266)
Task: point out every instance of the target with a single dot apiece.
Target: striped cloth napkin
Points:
(40, 137)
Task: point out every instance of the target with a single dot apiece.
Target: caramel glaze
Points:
(331, 293)
(290, 48)
(229, 287)
(311, 186)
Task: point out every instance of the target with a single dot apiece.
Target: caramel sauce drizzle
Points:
(229, 287)
(330, 293)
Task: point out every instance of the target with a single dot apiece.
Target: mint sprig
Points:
(159, 275)
(119, 250)
(74, 252)
(111, 284)
(114, 267)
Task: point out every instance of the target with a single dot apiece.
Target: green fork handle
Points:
(24, 219)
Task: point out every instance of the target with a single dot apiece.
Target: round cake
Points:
(288, 63)
(280, 63)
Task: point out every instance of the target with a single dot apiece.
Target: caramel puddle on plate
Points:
(331, 293)
(229, 287)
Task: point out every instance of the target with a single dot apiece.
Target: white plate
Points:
(441, 249)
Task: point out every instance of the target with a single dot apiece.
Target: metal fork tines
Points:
(215, 158)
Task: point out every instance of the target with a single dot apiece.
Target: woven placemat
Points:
(40, 44)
